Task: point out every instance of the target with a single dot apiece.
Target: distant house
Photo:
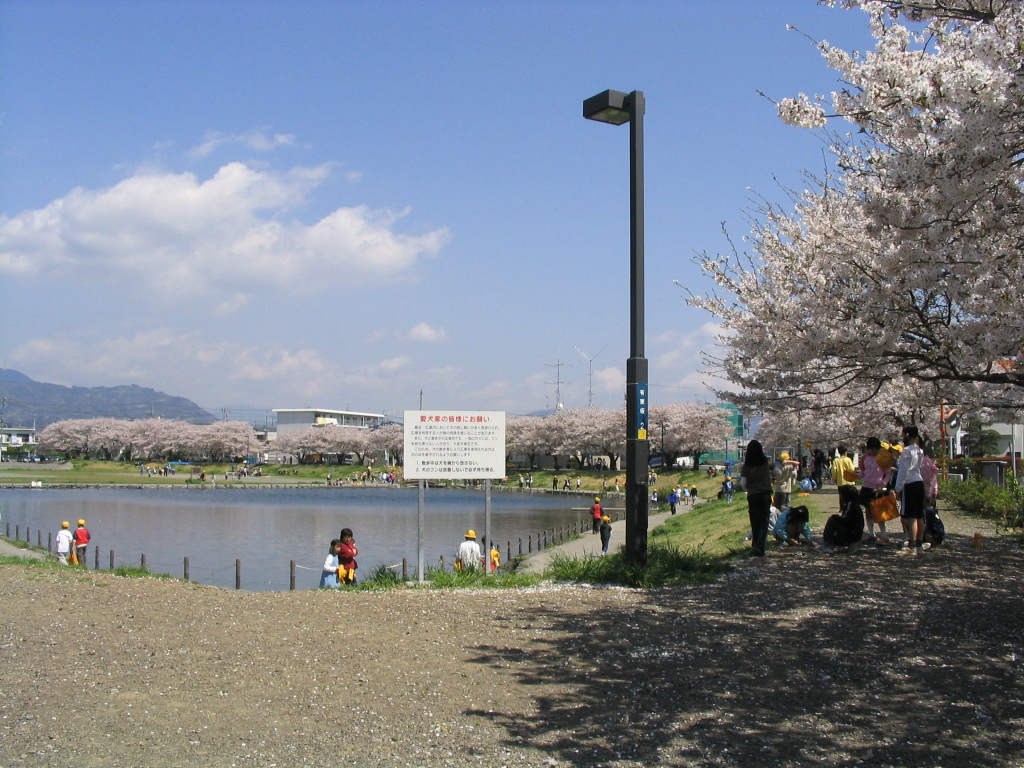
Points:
(298, 419)
(19, 440)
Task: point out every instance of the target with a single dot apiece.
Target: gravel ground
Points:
(799, 659)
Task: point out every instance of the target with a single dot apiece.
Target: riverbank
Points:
(795, 659)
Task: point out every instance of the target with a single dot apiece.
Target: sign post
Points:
(454, 445)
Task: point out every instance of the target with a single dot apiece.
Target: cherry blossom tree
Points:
(905, 261)
(693, 429)
(829, 420)
(526, 435)
(387, 440)
(582, 434)
(148, 439)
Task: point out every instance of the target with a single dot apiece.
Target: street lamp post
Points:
(616, 108)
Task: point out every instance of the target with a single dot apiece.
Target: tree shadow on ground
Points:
(803, 658)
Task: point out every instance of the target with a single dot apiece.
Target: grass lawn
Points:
(718, 528)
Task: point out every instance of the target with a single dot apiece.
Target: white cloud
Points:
(259, 139)
(393, 364)
(426, 333)
(178, 235)
(175, 362)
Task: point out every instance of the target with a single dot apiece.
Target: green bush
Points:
(977, 496)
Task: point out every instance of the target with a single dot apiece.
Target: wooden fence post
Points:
(238, 574)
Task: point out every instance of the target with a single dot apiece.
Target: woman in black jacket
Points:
(758, 477)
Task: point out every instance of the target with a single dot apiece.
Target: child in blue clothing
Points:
(329, 576)
(792, 526)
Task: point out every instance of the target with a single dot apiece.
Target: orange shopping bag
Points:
(884, 508)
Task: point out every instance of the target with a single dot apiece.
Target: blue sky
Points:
(340, 204)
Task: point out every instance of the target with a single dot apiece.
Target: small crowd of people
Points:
(150, 471)
(340, 564)
(895, 481)
(681, 496)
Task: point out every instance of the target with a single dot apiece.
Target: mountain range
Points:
(29, 403)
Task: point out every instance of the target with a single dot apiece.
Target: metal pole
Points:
(487, 525)
(637, 405)
(419, 528)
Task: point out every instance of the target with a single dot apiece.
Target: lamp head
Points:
(608, 107)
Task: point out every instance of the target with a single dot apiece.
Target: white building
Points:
(298, 419)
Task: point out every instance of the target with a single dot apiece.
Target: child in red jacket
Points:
(347, 552)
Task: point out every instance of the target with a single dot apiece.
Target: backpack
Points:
(934, 528)
(834, 533)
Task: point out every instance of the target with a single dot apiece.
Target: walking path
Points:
(589, 544)
(10, 550)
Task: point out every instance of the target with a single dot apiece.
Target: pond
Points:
(265, 529)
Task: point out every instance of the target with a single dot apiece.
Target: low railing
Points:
(534, 543)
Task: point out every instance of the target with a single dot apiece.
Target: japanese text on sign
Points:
(454, 444)
(641, 410)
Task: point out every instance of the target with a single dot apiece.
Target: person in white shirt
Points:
(468, 556)
(910, 483)
(64, 539)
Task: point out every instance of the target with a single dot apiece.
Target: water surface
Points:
(267, 528)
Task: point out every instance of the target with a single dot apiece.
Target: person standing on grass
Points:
(758, 477)
(468, 557)
(784, 485)
(64, 542)
(82, 539)
(843, 471)
(728, 489)
(910, 483)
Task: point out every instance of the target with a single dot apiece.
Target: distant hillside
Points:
(34, 403)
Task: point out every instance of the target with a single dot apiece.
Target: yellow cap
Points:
(65, 524)
(81, 522)
(606, 519)
(470, 534)
(597, 498)
(784, 456)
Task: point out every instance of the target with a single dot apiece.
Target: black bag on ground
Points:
(834, 533)
(934, 528)
(847, 528)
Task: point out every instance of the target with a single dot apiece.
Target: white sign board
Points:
(454, 445)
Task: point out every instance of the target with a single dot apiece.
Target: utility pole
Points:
(590, 384)
(557, 382)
